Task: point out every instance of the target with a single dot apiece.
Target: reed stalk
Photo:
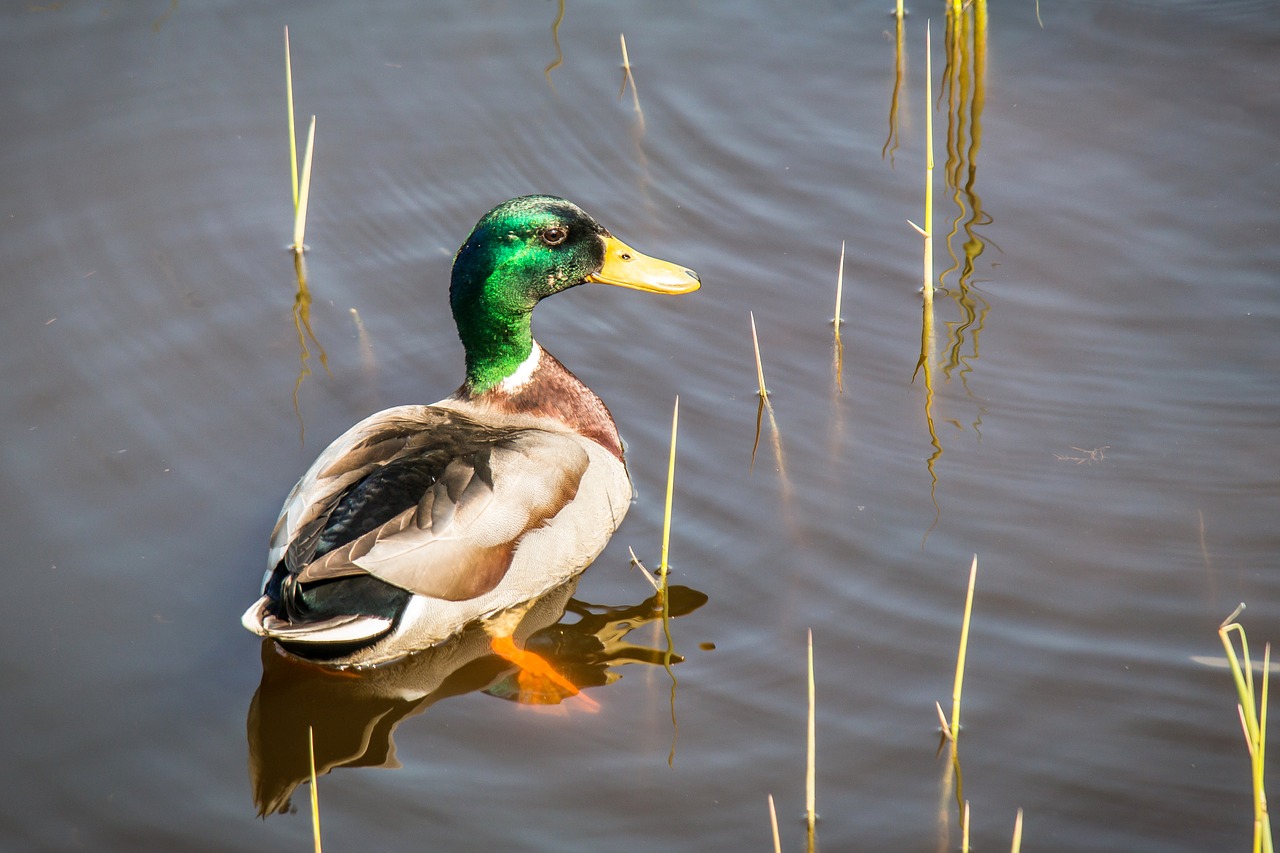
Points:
(1252, 707)
(837, 346)
(671, 485)
(301, 182)
(810, 776)
(958, 684)
(755, 342)
(304, 193)
(668, 654)
(315, 795)
(951, 728)
(1016, 847)
(293, 133)
(927, 231)
(928, 170)
(773, 822)
(837, 320)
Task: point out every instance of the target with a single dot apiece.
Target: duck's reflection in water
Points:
(353, 713)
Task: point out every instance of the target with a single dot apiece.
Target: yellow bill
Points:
(625, 267)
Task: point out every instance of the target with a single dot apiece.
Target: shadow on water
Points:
(354, 713)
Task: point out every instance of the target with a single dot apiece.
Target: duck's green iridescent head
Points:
(525, 250)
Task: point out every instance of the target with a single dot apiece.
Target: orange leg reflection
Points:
(538, 680)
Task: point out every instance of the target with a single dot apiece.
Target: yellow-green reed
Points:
(928, 169)
(958, 684)
(837, 347)
(927, 231)
(1253, 719)
(755, 342)
(626, 69)
(671, 485)
(304, 193)
(810, 775)
(1017, 833)
(837, 320)
(951, 728)
(766, 406)
(663, 570)
(293, 133)
(773, 822)
(315, 796)
(301, 183)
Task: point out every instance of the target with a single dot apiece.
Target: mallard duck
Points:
(421, 519)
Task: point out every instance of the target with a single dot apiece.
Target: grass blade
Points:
(671, 485)
(315, 795)
(304, 193)
(773, 822)
(839, 288)
(810, 776)
(958, 685)
(755, 342)
(1253, 720)
(293, 135)
(928, 170)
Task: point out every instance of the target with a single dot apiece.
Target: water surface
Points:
(1100, 429)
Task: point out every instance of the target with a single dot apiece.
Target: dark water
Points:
(1117, 290)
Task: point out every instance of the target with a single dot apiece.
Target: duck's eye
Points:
(555, 235)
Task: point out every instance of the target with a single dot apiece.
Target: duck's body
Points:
(421, 519)
(430, 517)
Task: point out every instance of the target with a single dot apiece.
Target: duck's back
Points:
(420, 519)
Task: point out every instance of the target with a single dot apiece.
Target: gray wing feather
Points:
(458, 541)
